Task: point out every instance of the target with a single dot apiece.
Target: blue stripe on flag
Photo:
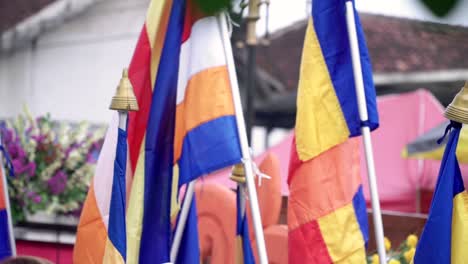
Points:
(359, 204)
(5, 249)
(189, 251)
(117, 229)
(329, 19)
(243, 231)
(209, 147)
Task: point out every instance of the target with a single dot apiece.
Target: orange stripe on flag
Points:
(324, 183)
(207, 97)
(2, 195)
(91, 240)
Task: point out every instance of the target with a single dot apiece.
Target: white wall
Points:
(73, 70)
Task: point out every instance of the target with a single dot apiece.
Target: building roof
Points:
(396, 45)
(23, 21)
(13, 12)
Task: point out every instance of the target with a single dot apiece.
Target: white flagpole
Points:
(361, 98)
(182, 221)
(249, 174)
(7, 205)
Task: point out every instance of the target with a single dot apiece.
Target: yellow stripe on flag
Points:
(343, 236)
(135, 209)
(460, 228)
(111, 254)
(157, 19)
(175, 207)
(239, 250)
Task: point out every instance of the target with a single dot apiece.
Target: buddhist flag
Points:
(445, 237)
(5, 247)
(243, 249)
(186, 125)
(327, 110)
(327, 216)
(101, 236)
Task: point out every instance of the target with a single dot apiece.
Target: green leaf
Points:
(213, 7)
(440, 8)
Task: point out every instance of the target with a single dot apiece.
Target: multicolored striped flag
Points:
(445, 237)
(327, 216)
(186, 125)
(243, 248)
(101, 236)
(326, 84)
(5, 247)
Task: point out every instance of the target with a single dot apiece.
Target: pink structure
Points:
(216, 206)
(403, 118)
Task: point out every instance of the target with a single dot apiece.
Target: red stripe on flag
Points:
(306, 250)
(140, 76)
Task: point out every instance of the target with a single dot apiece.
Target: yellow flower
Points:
(375, 259)
(409, 255)
(412, 241)
(388, 244)
(394, 261)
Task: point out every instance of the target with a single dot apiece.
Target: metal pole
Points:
(251, 42)
(249, 174)
(182, 221)
(361, 98)
(250, 93)
(11, 236)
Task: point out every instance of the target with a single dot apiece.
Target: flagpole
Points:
(241, 130)
(179, 231)
(361, 98)
(11, 236)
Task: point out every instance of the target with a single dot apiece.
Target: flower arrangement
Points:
(404, 254)
(53, 164)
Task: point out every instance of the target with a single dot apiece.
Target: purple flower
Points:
(39, 139)
(7, 135)
(13, 150)
(16, 151)
(36, 198)
(19, 166)
(93, 153)
(57, 183)
(92, 156)
(31, 169)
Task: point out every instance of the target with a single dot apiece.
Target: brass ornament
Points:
(238, 173)
(124, 98)
(458, 110)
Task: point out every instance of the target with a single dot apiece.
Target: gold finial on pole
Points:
(124, 98)
(253, 16)
(238, 173)
(458, 110)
